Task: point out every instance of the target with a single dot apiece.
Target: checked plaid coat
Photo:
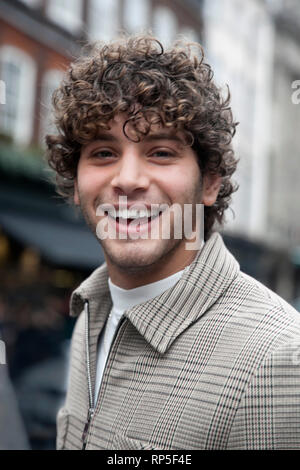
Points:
(212, 363)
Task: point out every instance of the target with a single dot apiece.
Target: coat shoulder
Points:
(261, 309)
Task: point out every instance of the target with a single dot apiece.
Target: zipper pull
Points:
(86, 427)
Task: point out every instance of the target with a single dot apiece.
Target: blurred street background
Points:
(46, 249)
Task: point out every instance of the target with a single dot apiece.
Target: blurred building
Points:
(284, 189)
(33, 53)
(239, 40)
(254, 47)
(166, 18)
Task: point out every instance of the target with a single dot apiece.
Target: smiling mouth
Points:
(128, 218)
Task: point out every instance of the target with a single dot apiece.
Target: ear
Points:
(211, 188)
(76, 196)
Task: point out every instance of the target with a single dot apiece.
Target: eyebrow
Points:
(163, 136)
(149, 138)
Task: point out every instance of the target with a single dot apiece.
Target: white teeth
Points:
(132, 213)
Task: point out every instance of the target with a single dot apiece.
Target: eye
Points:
(162, 153)
(102, 154)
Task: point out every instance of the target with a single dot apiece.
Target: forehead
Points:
(138, 129)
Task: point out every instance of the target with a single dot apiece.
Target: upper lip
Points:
(138, 206)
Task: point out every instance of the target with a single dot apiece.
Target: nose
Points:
(131, 174)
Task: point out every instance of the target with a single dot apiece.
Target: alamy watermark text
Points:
(2, 92)
(2, 352)
(296, 94)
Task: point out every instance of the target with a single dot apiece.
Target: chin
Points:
(137, 254)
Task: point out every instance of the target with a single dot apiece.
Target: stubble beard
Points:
(134, 256)
(138, 256)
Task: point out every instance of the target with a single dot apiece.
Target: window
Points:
(50, 82)
(18, 72)
(11, 76)
(136, 14)
(103, 19)
(164, 24)
(66, 13)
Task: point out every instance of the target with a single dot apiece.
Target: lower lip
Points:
(131, 229)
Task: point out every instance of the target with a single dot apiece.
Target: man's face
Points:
(158, 170)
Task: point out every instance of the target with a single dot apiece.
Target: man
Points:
(174, 347)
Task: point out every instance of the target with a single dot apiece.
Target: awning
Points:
(36, 218)
(60, 243)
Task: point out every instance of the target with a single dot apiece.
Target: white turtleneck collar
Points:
(124, 299)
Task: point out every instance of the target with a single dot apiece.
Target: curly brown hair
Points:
(136, 76)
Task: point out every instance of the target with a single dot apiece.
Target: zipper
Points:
(89, 380)
(86, 428)
(91, 408)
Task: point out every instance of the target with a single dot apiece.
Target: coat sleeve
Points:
(268, 416)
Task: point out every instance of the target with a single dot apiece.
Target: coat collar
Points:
(162, 319)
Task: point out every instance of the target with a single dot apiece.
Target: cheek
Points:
(181, 182)
(89, 181)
